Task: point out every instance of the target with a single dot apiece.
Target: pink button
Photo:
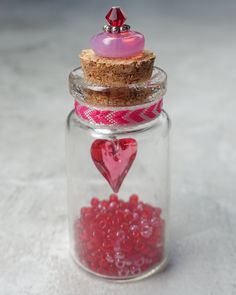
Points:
(118, 45)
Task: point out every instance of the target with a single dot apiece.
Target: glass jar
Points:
(118, 179)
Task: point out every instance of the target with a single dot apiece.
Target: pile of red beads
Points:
(118, 238)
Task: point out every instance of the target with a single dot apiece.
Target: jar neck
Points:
(117, 96)
(116, 117)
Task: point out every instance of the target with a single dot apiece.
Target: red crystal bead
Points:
(133, 199)
(113, 198)
(94, 202)
(115, 17)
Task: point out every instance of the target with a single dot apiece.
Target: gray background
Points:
(195, 42)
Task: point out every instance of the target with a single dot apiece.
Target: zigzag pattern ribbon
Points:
(120, 116)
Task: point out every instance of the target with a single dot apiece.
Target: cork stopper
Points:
(117, 72)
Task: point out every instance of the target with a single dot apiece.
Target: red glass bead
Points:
(104, 204)
(94, 202)
(128, 216)
(120, 235)
(134, 270)
(133, 199)
(113, 198)
(86, 212)
(157, 212)
(113, 206)
(147, 211)
(125, 226)
(115, 17)
(102, 224)
(109, 257)
(126, 244)
(122, 205)
(135, 231)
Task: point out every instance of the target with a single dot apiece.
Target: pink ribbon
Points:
(119, 116)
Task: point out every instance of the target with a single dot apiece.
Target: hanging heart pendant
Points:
(113, 159)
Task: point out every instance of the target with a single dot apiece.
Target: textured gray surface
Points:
(196, 45)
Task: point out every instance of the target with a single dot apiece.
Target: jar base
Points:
(157, 269)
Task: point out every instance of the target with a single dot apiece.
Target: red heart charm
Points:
(113, 159)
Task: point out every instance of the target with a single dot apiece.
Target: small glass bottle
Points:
(122, 235)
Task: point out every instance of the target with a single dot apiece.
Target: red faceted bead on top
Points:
(115, 17)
